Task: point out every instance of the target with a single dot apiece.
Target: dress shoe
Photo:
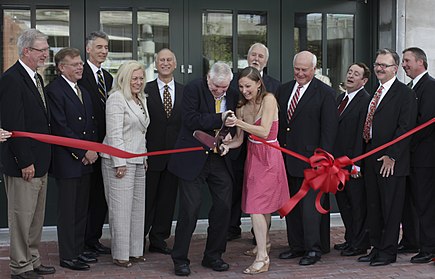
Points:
(402, 249)
(87, 259)
(216, 265)
(44, 270)
(291, 254)
(351, 251)
(422, 257)
(233, 236)
(99, 248)
(380, 261)
(341, 246)
(122, 263)
(369, 257)
(182, 269)
(161, 250)
(74, 264)
(90, 254)
(27, 275)
(310, 258)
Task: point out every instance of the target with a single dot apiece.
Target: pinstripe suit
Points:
(126, 125)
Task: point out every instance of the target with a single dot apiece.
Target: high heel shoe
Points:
(253, 252)
(122, 263)
(258, 267)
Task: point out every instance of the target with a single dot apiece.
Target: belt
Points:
(259, 142)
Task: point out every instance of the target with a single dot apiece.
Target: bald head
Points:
(304, 66)
(165, 64)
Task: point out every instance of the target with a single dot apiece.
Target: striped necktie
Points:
(40, 90)
(293, 103)
(101, 86)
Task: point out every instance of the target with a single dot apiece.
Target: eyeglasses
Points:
(40, 50)
(383, 66)
(75, 65)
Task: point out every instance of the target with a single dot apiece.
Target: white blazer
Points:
(126, 126)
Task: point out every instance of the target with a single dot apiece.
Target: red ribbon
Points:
(327, 175)
(95, 146)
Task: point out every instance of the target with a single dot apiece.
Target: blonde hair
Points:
(123, 78)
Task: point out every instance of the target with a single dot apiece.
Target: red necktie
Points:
(293, 103)
(372, 109)
(343, 104)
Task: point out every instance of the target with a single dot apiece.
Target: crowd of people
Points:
(393, 186)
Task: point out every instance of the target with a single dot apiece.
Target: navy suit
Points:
(97, 202)
(349, 142)
(161, 185)
(72, 119)
(313, 124)
(201, 168)
(394, 116)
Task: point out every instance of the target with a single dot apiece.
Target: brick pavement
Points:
(160, 266)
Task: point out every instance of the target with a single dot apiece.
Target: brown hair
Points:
(254, 75)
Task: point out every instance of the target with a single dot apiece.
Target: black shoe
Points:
(90, 254)
(422, 257)
(233, 236)
(44, 270)
(74, 264)
(351, 251)
(87, 259)
(216, 265)
(291, 254)
(27, 275)
(402, 249)
(341, 246)
(310, 258)
(181, 269)
(379, 261)
(99, 248)
(163, 250)
(369, 257)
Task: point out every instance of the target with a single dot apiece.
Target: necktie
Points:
(343, 104)
(294, 101)
(372, 108)
(79, 93)
(40, 90)
(101, 87)
(167, 101)
(217, 105)
(410, 84)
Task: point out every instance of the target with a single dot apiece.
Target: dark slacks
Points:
(72, 215)
(216, 176)
(410, 234)
(97, 207)
(160, 198)
(236, 206)
(385, 197)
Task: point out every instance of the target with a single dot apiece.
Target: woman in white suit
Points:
(127, 120)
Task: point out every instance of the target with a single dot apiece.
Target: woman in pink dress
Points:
(265, 187)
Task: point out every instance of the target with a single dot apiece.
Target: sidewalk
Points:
(332, 265)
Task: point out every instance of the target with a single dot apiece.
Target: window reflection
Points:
(308, 33)
(14, 22)
(153, 35)
(252, 28)
(217, 38)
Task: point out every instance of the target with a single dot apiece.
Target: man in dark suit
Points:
(25, 161)
(72, 117)
(205, 104)
(98, 82)
(422, 178)
(258, 55)
(162, 185)
(391, 113)
(308, 119)
(352, 108)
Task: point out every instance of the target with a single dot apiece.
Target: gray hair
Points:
(266, 50)
(95, 35)
(220, 71)
(156, 56)
(385, 51)
(314, 61)
(28, 38)
(419, 54)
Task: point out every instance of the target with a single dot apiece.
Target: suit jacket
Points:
(126, 126)
(88, 82)
(72, 119)
(271, 84)
(314, 123)
(198, 113)
(22, 109)
(349, 141)
(162, 132)
(423, 142)
(395, 115)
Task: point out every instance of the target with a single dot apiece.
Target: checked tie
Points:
(372, 108)
(293, 103)
(101, 87)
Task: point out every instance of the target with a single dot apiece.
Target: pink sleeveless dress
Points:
(265, 187)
